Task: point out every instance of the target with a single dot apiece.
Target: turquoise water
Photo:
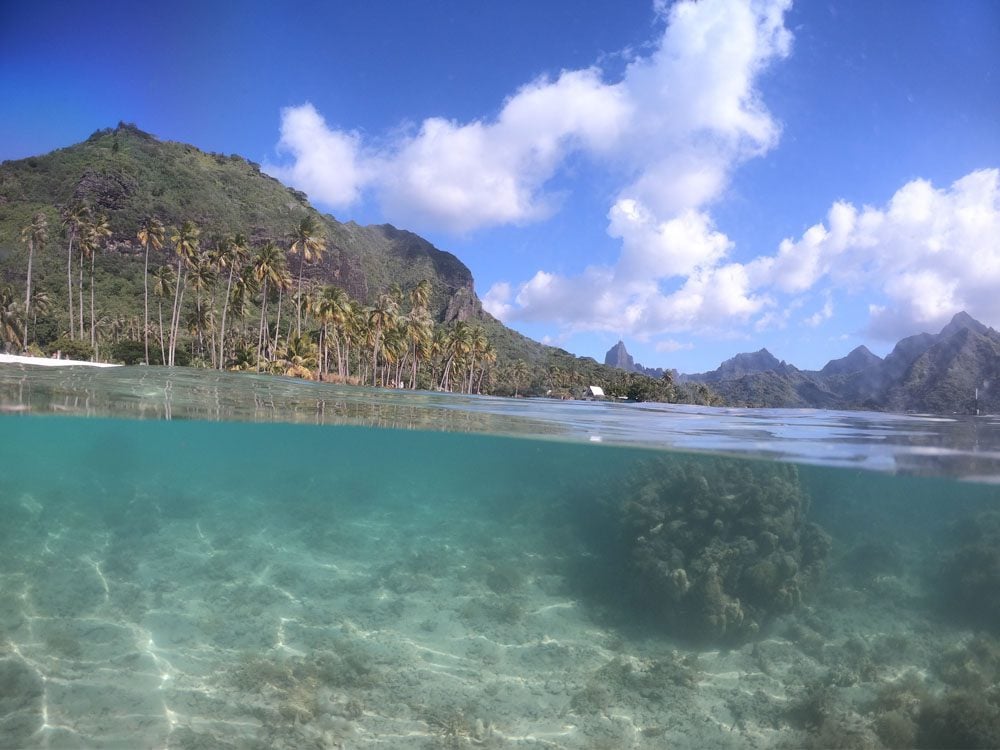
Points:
(285, 565)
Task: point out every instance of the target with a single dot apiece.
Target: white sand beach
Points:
(17, 359)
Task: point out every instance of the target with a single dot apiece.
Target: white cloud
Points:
(673, 128)
(694, 115)
(327, 164)
(821, 315)
(670, 345)
(929, 253)
(461, 176)
(496, 301)
(661, 249)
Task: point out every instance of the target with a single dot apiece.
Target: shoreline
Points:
(18, 359)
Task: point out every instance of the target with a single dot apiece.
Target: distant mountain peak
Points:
(860, 358)
(619, 357)
(962, 320)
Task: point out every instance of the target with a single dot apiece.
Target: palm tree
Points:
(381, 317)
(519, 373)
(40, 303)
(268, 268)
(163, 279)
(419, 329)
(233, 255)
(308, 240)
(420, 295)
(457, 344)
(185, 241)
(201, 277)
(73, 218)
(35, 234)
(479, 345)
(97, 231)
(151, 232)
(488, 356)
(11, 320)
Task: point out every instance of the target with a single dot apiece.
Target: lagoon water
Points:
(203, 560)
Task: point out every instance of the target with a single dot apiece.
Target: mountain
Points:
(619, 357)
(743, 364)
(937, 373)
(128, 175)
(859, 359)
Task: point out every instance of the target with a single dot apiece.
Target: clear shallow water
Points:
(957, 446)
(261, 581)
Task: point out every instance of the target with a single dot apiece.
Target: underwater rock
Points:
(717, 546)
(969, 575)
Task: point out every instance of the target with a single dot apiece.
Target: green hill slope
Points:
(128, 175)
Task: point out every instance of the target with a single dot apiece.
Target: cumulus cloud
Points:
(460, 176)
(928, 253)
(694, 115)
(672, 129)
(328, 164)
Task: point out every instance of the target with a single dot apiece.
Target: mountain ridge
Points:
(954, 371)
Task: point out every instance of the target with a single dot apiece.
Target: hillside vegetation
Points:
(129, 248)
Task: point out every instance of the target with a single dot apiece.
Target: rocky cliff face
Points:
(619, 357)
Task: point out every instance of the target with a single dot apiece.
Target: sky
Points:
(695, 178)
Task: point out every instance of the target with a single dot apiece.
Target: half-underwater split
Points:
(195, 560)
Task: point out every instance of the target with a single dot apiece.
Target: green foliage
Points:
(131, 177)
(129, 352)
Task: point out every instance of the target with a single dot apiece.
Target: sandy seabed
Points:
(182, 626)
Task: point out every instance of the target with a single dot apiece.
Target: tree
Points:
(457, 344)
(151, 232)
(519, 372)
(419, 330)
(201, 277)
(186, 243)
(40, 303)
(381, 317)
(307, 240)
(234, 255)
(97, 231)
(268, 269)
(11, 320)
(163, 279)
(73, 218)
(34, 235)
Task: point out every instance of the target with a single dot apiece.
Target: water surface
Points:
(262, 563)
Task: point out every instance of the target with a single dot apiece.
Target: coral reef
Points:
(718, 546)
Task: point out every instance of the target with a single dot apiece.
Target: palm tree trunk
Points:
(298, 318)
(93, 332)
(80, 295)
(225, 308)
(145, 303)
(69, 283)
(163, 350)
(260, 328)
(175, 313)
(277, 322)
(27, 293)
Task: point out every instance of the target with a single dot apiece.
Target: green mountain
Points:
(954, 371)
(129, 175)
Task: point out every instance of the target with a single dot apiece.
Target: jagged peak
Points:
(962, 320)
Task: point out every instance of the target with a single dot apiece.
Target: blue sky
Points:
(696, 178)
